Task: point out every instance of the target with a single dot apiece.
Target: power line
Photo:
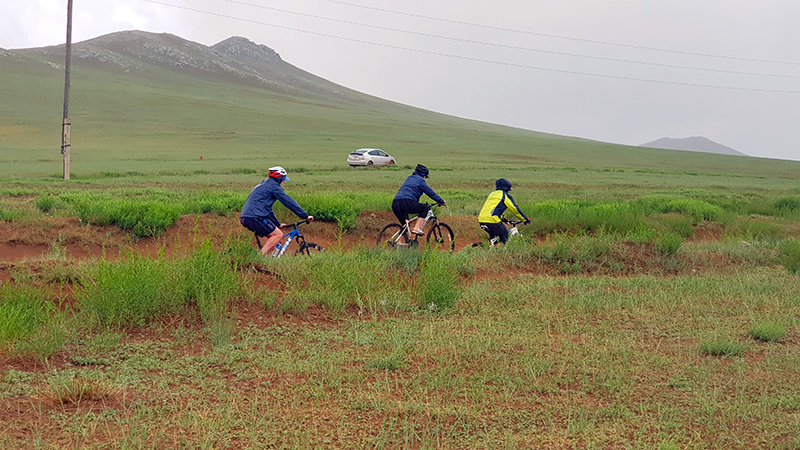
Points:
(554, 36)
(466, 58)
(511, 47)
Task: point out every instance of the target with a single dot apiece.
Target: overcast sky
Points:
(622, 71)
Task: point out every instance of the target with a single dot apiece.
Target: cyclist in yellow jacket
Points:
(496, 204)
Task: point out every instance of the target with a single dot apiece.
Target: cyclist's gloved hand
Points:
(527, 221)
(441, 204)
(504, 220)
(310, 218)
(281, 225)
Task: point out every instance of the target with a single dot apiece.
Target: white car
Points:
(370, 157)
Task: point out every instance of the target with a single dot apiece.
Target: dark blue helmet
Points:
(421, 170)
(503, 184)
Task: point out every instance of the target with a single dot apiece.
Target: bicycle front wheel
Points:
(309, 248)
(442, 237)
(389, 235)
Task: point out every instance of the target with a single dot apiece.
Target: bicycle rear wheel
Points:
(309, 248)
(441, 236)
(389, 235)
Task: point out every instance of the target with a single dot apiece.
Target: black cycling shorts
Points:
(495, 230)
(260, 226)
(403, 207)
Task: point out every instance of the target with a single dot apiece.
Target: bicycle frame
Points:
(288, 238)
(513, 231)
(405, 231)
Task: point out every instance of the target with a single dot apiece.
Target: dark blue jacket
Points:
(262, 197)
(414, 187)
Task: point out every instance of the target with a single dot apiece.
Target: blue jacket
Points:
(414, 187)
(262, 197)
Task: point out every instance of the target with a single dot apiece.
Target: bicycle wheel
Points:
(441, 236)
(309, 248)
(388, 235)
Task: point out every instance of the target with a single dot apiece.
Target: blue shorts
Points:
(259, 226)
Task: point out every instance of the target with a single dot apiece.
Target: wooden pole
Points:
(65, 125)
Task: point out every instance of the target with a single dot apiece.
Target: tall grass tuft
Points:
(29, 322)
(667, 244)
(722, 348)
(210, 282)
(133, 290)
(45, 203)
(767, 331)
(790, 255)
(438, 276)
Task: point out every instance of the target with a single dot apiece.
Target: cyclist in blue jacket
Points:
(498, 202)
(257, 214)
(406, 201)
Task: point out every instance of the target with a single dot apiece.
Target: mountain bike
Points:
(513, 231)
(439, 236)
(303, 247)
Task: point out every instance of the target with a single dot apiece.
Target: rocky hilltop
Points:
(234, 60)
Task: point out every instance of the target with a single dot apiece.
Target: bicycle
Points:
(440, 235)
(304, 247)
(513, 231)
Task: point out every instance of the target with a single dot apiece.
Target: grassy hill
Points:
(154, 103)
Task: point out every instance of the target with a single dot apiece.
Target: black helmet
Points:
(503, 184)
(421, 170)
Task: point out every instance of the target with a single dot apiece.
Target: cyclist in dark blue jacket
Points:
(406, 201)
(257, 214)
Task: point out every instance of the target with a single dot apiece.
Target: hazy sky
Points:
(623, 71)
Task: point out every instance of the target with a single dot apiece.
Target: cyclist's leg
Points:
(263, 227)
(400, 211)
(420, 210)
(496, 230)
(272, 240)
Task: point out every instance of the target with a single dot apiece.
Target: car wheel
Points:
(392, 162)
(369, 163)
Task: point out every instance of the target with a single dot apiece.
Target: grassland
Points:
(653, 302)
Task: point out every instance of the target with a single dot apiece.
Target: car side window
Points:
(384, 154)
(375, 153)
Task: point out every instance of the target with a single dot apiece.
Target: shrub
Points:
(667, 244)
(788, 204)
(789, 251)
(697, 209)
(614, 217)
(331, 208)
(143, 218)
(641, 234)
(222, 203)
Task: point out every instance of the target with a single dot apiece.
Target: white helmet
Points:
(277, 172)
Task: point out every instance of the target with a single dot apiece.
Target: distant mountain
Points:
(692, 144)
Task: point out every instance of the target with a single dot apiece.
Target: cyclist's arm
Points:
(512, 205)
(292, 205)
(431, 193)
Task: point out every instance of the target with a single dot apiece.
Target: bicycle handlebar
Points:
(296, 224)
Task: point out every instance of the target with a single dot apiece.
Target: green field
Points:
(652, 303)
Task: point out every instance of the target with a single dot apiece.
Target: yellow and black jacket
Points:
(496, 204)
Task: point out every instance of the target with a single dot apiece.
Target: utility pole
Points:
(65, 126)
